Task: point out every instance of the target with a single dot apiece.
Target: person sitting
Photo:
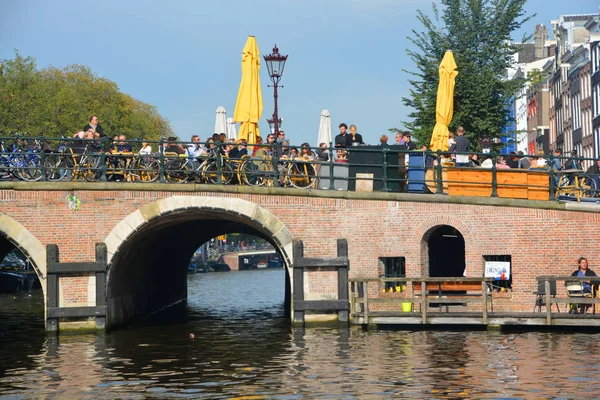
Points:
(173, 147)
(501, 163)
(242, 149)
(195, 149)
(573, 162)
(122, 145)
(383, 140)
(306, 153)
(231, 149)
(583, 270)
(323, 152)
(146, 149)
(342, 156)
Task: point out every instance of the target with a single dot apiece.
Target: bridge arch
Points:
(430, 226)
(13, 234)
(149, 248)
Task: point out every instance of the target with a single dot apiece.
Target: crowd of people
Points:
(277, 146)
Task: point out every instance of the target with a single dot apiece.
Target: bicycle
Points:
(575, 183)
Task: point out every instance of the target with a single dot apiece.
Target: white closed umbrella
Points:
(231, 132)
(325, 128)
(221, 121)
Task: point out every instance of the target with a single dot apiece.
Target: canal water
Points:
(243, 347)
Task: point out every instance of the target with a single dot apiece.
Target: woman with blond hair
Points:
(355, 137)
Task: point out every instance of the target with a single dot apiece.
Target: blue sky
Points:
(184, 56)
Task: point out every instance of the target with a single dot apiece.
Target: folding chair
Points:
(540, 295)
(575, 289)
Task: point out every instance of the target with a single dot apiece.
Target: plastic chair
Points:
(575, 289)
(540, 295)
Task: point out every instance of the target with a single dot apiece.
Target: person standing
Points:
(461, 147)
(95, 126)
(343, 139)
(355, 137)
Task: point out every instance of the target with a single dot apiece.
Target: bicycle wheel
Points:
(588, 187)
(302, 175)
(252, 174)
(149, 171)
(56, 168)
(30, 171)
(566, 185)
(177, 171)
(211, 172)
(91, 168)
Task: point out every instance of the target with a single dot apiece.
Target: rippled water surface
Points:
(243, 347)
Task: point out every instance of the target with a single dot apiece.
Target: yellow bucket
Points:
(406, 307)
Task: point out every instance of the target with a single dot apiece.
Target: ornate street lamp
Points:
(275, 65)
(486, 144)
(271, 123)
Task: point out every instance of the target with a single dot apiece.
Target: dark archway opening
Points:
(21, 308)
(446, 252)
(149, 271)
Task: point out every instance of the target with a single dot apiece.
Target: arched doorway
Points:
(446, 251)
(149, 251)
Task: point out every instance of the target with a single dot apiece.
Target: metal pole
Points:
(331, 177)
(494, 177)
(385, 187)
(440, 183)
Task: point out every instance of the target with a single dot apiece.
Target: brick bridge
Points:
(150, 232)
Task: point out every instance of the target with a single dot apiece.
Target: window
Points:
(393, 267)
(499, 267)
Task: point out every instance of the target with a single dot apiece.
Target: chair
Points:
(575, 289)
(540, 295)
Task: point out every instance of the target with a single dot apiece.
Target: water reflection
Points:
(243, 346)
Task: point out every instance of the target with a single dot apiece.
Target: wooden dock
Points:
(460, 302)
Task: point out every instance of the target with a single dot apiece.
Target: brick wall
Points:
(540, 241)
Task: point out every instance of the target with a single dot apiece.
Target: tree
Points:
(478, 33)
(59, 102)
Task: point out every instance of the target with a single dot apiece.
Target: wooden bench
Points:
(453, 292)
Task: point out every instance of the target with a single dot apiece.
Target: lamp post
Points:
(275, 65)
(486, 144)
(271, 123)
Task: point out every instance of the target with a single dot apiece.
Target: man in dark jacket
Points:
(95, 126)
(343, 140)
(461, 147)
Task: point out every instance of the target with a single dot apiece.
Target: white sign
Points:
(499, 270)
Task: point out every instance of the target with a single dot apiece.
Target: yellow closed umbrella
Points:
(445, 103)
(249, 105)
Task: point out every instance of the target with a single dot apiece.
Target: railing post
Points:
(551, 175)
(298, 252)
(385, 187)
(424, 304)
(548, 304)
(219, 163)
(440, 183)
(43, 157)
(275, 152)
(484, 289)
(342, 251)
(161, 162)
(331, 164)
(103, 165)
(494, 177)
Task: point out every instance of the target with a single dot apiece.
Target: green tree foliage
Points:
(59, 102)
(477, 31)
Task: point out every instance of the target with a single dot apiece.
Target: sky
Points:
(184, 56)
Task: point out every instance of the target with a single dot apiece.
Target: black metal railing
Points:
(362, 168)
